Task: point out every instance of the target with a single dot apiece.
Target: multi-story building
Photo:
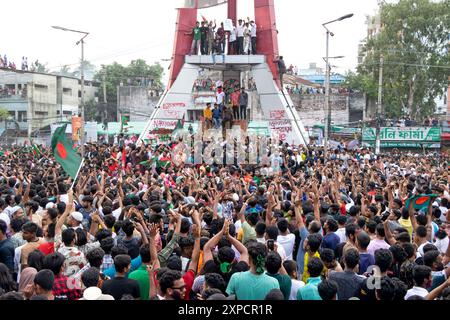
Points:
(36, 100)
(136, 101)
(318, 76)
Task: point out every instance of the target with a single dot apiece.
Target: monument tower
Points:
(274, 106)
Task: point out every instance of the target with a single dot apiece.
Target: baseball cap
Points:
(77, 216)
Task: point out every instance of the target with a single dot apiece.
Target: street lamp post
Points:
(327, 80)
(82, 102)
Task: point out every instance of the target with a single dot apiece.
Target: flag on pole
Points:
(125, 119)
(36, 150)
(64, 154)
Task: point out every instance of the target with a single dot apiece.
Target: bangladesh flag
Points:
(36, 150)
(164, 162)
(125, 119)
(421, 201)
(64, 153)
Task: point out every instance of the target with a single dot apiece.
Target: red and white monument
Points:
(274, 106)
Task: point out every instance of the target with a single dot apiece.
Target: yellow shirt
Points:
(207, 113)
(406, 223)
(305, 268)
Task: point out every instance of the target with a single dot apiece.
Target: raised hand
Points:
(154, 230)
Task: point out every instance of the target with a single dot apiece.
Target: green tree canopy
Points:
(414, 44)
(137, 73)
(4, 114)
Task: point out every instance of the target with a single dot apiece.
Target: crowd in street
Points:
(211, 39)
(304, 225)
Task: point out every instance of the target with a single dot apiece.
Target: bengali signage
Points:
(406, 134)
(410, 145)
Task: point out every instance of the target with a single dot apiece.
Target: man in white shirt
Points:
(233, 41)
(422, 280)
(286, 239)
(240, 37)
(253, 36)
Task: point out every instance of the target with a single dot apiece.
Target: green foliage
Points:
(361, 82)
(4, 114)
(92, 111)
(414, 44)
(138, 72)
(88, 68)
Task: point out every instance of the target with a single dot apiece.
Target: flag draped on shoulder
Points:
(64, 153)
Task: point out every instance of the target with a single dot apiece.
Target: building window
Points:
(67, 91)
(40, 87)
(12, 115)
(41, 114)
(79, 93)
(22, 116)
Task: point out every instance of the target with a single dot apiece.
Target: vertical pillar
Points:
(267, 41)
(187, 17)
(232, 10)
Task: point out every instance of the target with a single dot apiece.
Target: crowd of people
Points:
(308, 224)
(231, 104)
(209, 39)
(7, 64)
(291, 89)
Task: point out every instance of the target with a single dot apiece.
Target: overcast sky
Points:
(125, 30)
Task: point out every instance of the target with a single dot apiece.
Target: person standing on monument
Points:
(197, 37)
(204, 38)
(243, 103)
(240, 37)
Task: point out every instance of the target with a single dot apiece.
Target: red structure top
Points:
(267, 43)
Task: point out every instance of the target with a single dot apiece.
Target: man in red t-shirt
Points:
(235, 102)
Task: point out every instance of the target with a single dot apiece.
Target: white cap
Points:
(49, 205)
(236, 197)
(77, 216)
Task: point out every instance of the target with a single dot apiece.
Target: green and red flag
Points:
(36, 150)
(125, 119)
(421, 201)
(64, 153)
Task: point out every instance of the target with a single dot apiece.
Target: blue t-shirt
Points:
(135, 264)
(217, 113)
(330, 241)
(365, 261)
(7, 253)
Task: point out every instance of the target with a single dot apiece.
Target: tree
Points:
(137, 73)
(414, 45)
(4, 115)
(361, 82)
(39, 67)
(89, 70)
(91, 112)
(64, 71)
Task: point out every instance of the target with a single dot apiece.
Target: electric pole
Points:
(380, 93)
(82, 99)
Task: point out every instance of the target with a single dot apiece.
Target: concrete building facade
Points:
(36, 100)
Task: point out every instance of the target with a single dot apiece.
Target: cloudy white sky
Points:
(125, 30)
